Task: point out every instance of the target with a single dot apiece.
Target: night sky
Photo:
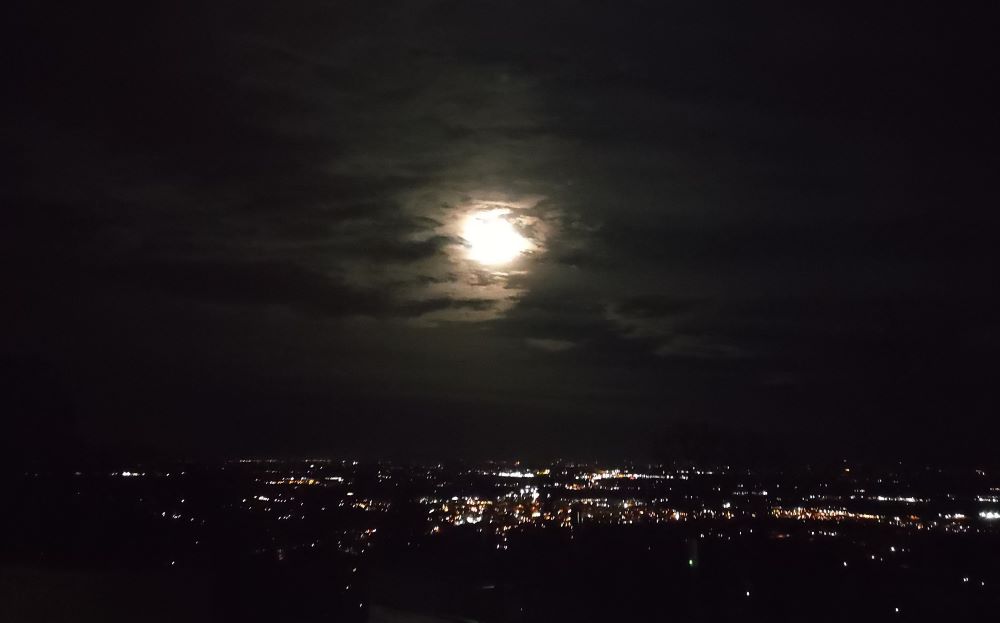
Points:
(239, 228)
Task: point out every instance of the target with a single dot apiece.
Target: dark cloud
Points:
(653, 306)
(272, 283)
(549, 344)
(770, 218)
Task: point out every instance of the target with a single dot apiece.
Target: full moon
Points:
(491, 239)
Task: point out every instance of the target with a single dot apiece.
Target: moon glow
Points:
(491, 239)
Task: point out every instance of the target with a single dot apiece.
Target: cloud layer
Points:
(751, 219)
